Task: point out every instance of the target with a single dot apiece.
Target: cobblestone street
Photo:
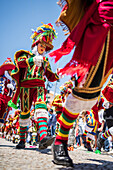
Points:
(33, 159)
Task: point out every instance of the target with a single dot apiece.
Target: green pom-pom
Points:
(11, 104)
(98, 151)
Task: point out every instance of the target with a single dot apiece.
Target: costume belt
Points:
(32, 83)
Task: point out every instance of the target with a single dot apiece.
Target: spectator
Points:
(102, 129)
(71, 138)
(81, 126)
(52, 122)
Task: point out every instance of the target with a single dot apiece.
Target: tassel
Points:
(66, 48)
(80, 70)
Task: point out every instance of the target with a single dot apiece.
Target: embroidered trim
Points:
(80, 98)
(93, 71)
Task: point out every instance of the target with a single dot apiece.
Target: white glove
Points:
(59, 74)
(100, 129)
(38, 60)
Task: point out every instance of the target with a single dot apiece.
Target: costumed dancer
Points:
(92, 123)
(31, 125)
(59, 100)
(92, 119)
(32, 69)
(107, 94)
(16, 126)
(7, 88)
(6, 128)
(91, 34)
(9, 128)
(90, 128)
(3, 129)
(33, 128)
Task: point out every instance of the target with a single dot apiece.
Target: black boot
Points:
(84, 141)
(34, 144)
(89, 147)
(13, 141)
(45, 142)
(100, 142)
(21, 145)
(60, 155)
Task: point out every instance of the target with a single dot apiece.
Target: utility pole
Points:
(55, 82)
(47, 91)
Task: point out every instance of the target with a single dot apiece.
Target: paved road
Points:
(33, 159)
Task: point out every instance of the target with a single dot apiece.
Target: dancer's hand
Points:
(38, 60)
(59, 74)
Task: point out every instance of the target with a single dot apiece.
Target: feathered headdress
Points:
(44, 34)
(7, 65)
(66, 87)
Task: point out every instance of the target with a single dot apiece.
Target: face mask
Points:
(34, 51)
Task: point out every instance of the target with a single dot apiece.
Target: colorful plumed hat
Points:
(7, 65)
(107, 92)
(66, 87)
(44, 34)
(68, 84)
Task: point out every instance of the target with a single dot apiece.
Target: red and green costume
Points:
(16, 126)
(58, 104)
(91, 33)
(31, 86)
(91, 38)
(7, 89)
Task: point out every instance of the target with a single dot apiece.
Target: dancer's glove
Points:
(38, 60)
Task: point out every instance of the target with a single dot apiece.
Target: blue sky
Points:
(18, 17)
